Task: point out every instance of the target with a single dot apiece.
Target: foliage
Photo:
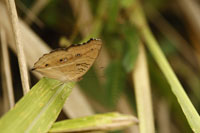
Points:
(121, 29)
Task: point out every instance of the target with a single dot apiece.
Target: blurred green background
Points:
(108, 85)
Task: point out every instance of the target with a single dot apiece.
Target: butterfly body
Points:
(69, 64)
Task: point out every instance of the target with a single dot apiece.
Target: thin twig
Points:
(17, 37)
(7, 70)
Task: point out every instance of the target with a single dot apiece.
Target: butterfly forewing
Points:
(71, 63)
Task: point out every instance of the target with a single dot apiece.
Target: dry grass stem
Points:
(17, 38)
(32, 16)
(35, 9)
(124, 108)
(5, 102)
(7, 70)
(143, 93)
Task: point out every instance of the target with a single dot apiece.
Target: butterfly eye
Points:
(46, 65)
(78, 54)
(91, 49)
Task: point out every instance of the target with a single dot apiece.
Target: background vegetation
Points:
(111, 84)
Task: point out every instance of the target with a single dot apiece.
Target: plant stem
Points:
(17, 38)
(143, 93)
(7, 70)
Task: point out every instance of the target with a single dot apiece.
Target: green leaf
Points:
(99, 122)
(115, 82)
(131, 47)
(126, 3)
(113, 9)
(38, 109)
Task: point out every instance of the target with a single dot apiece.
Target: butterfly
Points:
(71, 63)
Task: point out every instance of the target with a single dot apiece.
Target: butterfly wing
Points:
(84, 58)
(69, 64)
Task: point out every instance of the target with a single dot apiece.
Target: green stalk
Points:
(191, 114)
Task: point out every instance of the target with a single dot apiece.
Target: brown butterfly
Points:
(69, 64)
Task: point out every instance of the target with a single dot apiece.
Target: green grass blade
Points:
(190, 112)
(38, 109)
(100, 122)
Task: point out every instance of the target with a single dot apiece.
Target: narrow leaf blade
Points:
(99, 122)
(38, 109)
